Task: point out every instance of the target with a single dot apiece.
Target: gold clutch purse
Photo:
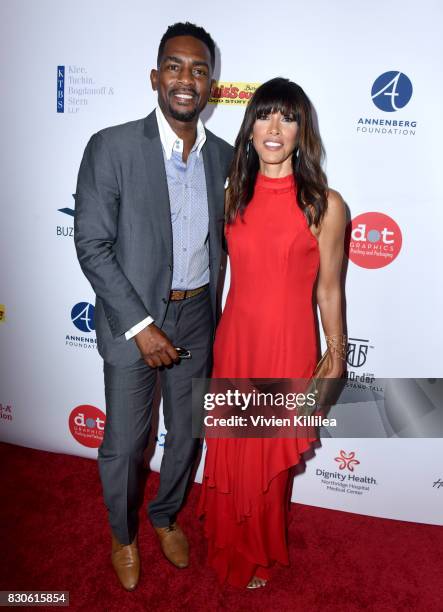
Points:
(322, 366)
(315, 386)
(327, 390)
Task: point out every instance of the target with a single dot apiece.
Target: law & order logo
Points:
(346, 480)
(390, 93)
(82, 317)
(373, 240)
(357, 352)
(356, 358)
(87, 424)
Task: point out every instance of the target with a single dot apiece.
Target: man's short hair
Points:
(187, 29)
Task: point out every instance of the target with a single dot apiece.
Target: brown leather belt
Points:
(178, 294)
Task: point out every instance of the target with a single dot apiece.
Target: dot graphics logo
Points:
(87, 424)
(391, 91)
(82, 315)
(373, 240)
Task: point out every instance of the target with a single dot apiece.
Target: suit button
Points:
(170, 267)
(164, 300)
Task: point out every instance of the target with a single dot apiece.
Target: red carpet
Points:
(54, 536)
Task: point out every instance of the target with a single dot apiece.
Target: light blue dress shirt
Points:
(189, 211)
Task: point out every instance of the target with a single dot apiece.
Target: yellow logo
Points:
(2, 313)
(225, 92)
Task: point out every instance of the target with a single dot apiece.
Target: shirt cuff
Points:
(137, 328)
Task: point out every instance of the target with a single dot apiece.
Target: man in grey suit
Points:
(148, 232)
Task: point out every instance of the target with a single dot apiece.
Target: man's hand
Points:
(155, 347)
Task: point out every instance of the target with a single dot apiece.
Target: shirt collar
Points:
(169, 139)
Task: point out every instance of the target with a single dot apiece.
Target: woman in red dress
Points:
(285, 231)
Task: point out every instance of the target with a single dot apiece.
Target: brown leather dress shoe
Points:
(126, 562)
(174, 545)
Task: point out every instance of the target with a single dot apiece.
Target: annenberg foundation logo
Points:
(391, 91)
(2, 313)
(225, 92)
(347, 460)
(345, 480)
(82, 315)
(87, 424)
(373, 240)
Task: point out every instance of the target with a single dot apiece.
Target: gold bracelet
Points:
(337, 344)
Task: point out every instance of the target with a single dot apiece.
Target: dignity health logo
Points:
(345, 480)
(390, 93)
(347, 460)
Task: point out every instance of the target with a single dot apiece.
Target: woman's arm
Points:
(329, 295)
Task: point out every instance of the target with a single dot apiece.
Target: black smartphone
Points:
(183, 353)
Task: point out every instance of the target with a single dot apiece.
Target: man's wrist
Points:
(138, 327)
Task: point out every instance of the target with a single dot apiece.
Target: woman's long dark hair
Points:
(312, 187)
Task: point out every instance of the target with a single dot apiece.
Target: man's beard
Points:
(184, 116)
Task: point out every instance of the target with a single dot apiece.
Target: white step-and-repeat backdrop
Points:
(371, 70)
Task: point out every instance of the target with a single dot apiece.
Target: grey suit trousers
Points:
(129, 395)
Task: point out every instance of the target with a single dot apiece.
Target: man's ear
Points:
(154, 79)
(213, 84)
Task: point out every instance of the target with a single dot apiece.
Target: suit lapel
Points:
(214, 190)
(156, 176)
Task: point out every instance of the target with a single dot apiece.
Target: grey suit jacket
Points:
(123, 233)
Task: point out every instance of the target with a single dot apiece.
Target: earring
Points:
(248, 147)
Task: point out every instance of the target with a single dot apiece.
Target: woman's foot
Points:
(256, 583)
